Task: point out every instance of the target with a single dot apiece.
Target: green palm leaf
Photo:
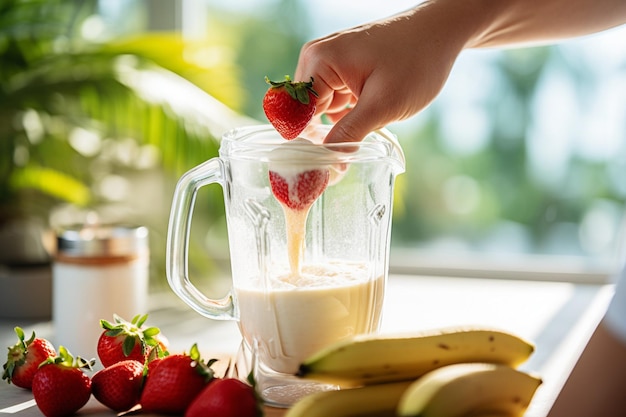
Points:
(144, 89)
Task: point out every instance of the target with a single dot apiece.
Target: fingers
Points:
(349, 128)
(353, 115)
(339, 102)
(351, 90)
(320, 61)
(372, 111)
(353, 126)
(348, 90)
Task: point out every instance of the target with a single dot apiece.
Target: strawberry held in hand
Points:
(289, 106)
(60, 387)
(24, 358)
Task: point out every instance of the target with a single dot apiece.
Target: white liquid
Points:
(303, 308)
(295, 221)
(300, 314)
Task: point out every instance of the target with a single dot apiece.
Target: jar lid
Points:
(101, 240)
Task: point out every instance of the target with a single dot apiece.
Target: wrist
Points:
(463, 24)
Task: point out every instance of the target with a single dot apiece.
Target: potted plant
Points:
(74, 112)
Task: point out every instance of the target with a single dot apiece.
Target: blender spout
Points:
(396, 154)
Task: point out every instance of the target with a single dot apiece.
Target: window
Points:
(519, 163)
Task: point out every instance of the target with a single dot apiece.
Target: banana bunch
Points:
(452, 372)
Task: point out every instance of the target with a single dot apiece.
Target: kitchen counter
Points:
(558, 317)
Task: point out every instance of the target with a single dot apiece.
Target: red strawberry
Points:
(227, 397)
(119, 386)
(24, 358)
(299, 190)
(60, 387)
(175, 382)
(289, 106)
(152, 364)
(124, 340)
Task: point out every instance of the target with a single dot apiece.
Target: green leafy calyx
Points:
(203, 368)
(133, 333)
(65, 358)
(297, 90)
(17, 354)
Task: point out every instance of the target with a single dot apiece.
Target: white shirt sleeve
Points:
(615, 318)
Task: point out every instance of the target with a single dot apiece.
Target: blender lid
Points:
(261, 141)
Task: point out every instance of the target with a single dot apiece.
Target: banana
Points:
(469, 389)
(372, 400)
(373, 359)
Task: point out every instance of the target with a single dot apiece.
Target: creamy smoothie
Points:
(300, 308)
(300, 314)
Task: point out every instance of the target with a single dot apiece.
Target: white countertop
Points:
(558, 317)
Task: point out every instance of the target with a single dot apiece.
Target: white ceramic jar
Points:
(98, 271)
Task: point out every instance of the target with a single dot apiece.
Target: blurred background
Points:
(518, 167)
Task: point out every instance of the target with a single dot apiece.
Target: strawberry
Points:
(174, 383)
(228, 397)
(60, 387)
(299, 190)
(24, 358)
(152, 364)
(119, 386)
(289, 106)
(124, 340)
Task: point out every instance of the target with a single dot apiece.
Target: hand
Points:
(372, 75)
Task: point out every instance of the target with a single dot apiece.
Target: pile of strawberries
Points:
(138, 374)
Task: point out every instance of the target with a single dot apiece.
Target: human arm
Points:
(595, 386)
(378, 73)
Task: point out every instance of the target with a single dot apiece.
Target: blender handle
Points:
(211, 171)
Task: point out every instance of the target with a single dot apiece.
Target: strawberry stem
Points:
(134, 333)
(66, 359)
(203, 368)
(297, 90)
(17, 353)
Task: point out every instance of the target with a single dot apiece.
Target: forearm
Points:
(500, 23)
(596, 385)
(538, 21)
(413, 52)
